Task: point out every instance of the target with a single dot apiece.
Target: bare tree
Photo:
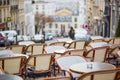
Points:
(40, 21)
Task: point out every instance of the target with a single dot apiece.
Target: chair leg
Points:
(54, 68)
(117, 63)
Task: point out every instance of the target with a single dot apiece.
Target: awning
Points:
(2, 25)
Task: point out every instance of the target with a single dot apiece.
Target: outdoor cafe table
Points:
(10, 77)
(90, 66)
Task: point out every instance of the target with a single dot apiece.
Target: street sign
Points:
(9, 19)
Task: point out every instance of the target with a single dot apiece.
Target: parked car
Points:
(10, 35)
(26, 37)
(48, 36)
(19, 38)
(38, 38)
(81, 34)
(3, 41)
(65, 35)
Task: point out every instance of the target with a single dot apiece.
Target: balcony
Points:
(14, 7)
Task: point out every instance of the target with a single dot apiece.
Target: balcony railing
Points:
(14, 7)
(4, 2)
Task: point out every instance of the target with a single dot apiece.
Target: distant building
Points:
(8, 12)
(115, 16)
(95, 12)
(44, 8)
(12, 15)
(64, 15)
(21, 18)
(4, 9)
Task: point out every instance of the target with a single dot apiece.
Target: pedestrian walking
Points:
(71, 33)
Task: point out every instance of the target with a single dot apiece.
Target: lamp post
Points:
(111, 18)
(43, 31)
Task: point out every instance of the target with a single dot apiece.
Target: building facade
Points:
(4, 13)
(115, 13)
(21, 18)
(29, 28)
(44, 8)
(64, 16)
(12, 15)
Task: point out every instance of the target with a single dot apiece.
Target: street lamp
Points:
(43, 31)
(111, 18)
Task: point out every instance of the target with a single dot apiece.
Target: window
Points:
(50, 25)
(36, 7)
(0, 2)
(49, 31)
(56, 32)
(69, 25)
(62, 18)
(43, 7)
(5, 2)
(8, 2)
(75, 19)
(75, 25)
(56, 25)
(107, 11)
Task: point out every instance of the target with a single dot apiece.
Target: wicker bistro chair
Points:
(98, 54)
(110, 74)
(13, 65)
(53, 48)
(64, 62)
(1, 71)
(113, 56)
(117, 40)
(111, 41)
(113, 51)
(75, 52)
(103, 43)
(77, 44)
(17, 49)
(98, 40)
(41, 66)
(35, 49)
(58, 43)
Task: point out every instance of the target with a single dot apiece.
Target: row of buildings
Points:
(100, 15)
(16, 15)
